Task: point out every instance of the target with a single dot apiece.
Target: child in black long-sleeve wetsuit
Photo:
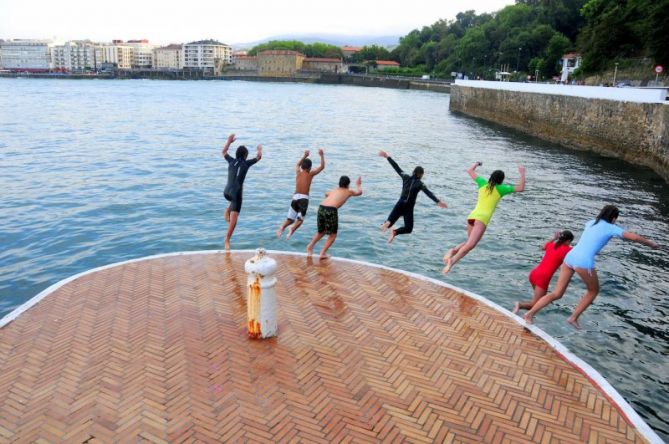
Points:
(411, 186)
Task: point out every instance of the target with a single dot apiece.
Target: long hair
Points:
(607, 214)
(496, 178)
(242, 152)
(565, 237)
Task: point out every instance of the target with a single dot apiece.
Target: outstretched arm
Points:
(226, 147)
(392, 162)
(520, 186)
(640, 239)
(299, 162)
(258, 152)
(472, 170)
(358, 188)
(321, 167)
(431, 195)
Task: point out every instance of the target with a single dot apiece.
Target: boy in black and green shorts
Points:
(328, 218)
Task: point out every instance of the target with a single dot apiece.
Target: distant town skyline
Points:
(232, 23)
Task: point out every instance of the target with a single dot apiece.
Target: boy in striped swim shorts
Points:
(300, 203)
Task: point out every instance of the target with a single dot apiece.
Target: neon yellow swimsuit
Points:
(488, 201)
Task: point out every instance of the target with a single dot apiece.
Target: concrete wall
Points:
(635, 132)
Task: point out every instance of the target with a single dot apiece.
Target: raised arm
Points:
(321, 167)
(258, 152)
(472, 170)
(640, 239)
(226, 147)
(358, 187)
(392, 162)
(299, 162)
(520, 186)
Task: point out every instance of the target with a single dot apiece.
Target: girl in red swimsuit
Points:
(555, 251)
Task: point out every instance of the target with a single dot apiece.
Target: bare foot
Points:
(310, 250)
(528, 317)
(448, 266)
(385, 226)
(227, 245)
(279, 232)
(573, 323)
(290, 233)
(516, 308)
(448, 256)
(226, 215)
(323, 256)
(393, 233)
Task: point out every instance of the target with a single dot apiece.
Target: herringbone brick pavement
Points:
(157, 351)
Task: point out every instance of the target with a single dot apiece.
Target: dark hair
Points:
(344, 181)
(496, 178)
(306, 164)
(608, 213)
(565, 237)
(242, 152)
(418, 172)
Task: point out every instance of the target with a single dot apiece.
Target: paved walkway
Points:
(157, 351)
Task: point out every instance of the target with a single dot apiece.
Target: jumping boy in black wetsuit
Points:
(411, 185)
(237, 169)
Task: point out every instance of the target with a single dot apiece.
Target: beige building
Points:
(382, 65)
(208, 55)
(244, 63)
(118, 54)
(74, 56)
(26, 55)
(142, 53)
(168, 57)
(349, 51)
(279, 63)
(323, 65)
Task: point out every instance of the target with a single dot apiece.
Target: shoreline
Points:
(393, 82)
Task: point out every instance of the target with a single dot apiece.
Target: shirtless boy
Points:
(328, 219)
(300, 202)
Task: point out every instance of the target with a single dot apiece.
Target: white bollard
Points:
(261, 300)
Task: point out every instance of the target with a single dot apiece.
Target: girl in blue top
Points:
(581, 259)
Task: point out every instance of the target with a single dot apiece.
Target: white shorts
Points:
(298, 207)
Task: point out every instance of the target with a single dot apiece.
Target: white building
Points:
(74, 56)
(168, 57)
(207, 54)
(570, 62)
(142, 53)
(120, 55)
(26, 55)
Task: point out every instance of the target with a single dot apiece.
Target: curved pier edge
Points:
(626, 410)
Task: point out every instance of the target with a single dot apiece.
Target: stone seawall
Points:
(635, 132)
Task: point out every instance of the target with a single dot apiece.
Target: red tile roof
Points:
(387, 63)
(351, 48)
(571, 55)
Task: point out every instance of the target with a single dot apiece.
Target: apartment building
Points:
(209, 55)
(74, 56)
(142, 53)
(119, 54)
(26, 55)
(168, 57)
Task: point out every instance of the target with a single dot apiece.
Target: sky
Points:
(231, 22)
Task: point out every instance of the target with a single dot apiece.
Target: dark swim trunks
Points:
(327, 220)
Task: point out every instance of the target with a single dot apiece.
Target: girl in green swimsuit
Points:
(490, 193)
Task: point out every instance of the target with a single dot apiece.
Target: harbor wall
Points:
(637, 132)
